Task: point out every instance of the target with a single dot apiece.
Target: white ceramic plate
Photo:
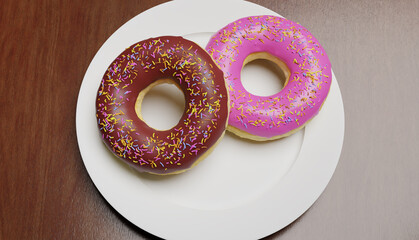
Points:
(244, 189)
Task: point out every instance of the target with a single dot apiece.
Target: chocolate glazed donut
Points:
(135, 71)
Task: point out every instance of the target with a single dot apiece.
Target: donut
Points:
(294, 49)
(127, 80)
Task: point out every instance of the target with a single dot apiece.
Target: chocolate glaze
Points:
(206, 105)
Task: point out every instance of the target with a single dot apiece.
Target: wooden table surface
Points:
(46, 47)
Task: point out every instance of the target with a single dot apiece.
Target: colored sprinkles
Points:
(308, 84)
(206, 105)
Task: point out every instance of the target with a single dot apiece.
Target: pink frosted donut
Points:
(292, 47)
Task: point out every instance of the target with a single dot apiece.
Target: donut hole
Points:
(264, 75)
(161, 104)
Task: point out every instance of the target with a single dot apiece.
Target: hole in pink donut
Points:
(161, 105)
(264, 75)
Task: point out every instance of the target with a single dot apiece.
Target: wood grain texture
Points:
(46, 47)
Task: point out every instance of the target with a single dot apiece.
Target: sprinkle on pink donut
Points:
(307, 87)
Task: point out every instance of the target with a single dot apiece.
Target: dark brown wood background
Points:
(46, 47)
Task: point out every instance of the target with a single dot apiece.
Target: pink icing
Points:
(308, 85)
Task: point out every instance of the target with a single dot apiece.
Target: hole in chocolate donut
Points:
(264, 74)
(161, 104)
